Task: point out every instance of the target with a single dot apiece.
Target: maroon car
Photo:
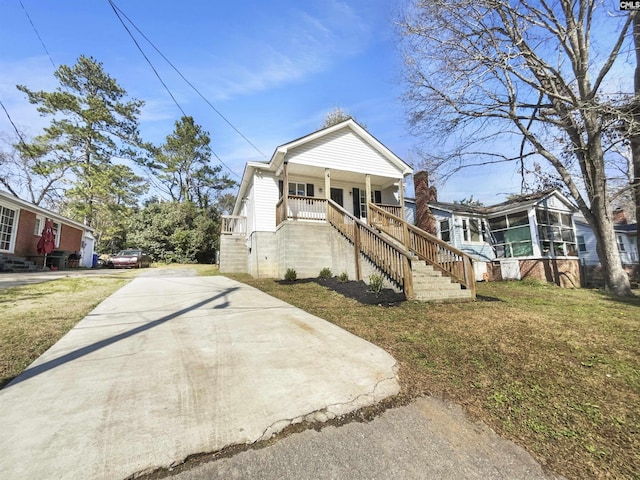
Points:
(130, 259)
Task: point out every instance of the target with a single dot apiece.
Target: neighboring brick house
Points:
(21, 224)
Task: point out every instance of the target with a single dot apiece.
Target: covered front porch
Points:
(308, 188)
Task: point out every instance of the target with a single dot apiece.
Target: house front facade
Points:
(343, 163)
(323, 201)
(21, 224)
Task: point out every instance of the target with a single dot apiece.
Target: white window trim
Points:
(14, 233)
(39, 225)
(57, 228)
(466, 230)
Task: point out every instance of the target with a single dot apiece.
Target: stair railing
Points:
(447, 259)
(389, 258)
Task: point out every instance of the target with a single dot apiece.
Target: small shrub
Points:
(291, 275)
(376, 283)
(343, 277)
(325, 273)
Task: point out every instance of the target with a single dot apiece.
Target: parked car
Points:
(130, 259)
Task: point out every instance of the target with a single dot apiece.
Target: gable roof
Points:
(278, 157)
(351, 124)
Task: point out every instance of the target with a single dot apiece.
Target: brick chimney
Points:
(619, 217)
(424, 194)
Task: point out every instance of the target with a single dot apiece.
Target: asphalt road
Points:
(428, 439)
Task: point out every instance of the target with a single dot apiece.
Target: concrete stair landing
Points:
(430, 285)
(10, 263)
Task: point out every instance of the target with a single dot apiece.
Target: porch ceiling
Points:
(342, 176)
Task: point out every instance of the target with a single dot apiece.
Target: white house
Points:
(626, 239)
(307, 208)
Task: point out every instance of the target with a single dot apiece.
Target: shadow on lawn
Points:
(358, 291)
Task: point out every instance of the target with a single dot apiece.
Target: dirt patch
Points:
(358, 291)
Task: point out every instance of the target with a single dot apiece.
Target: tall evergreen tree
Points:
(183, 168)
(92, 122)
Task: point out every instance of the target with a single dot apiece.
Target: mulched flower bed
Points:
(359, 291)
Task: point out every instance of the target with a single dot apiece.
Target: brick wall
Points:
(562, 272)
(26, 240)
(70, 239)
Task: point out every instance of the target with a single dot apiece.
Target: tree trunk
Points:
(615, 278)
(424, 194)
(635, 139)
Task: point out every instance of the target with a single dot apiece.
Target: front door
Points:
(336, 196)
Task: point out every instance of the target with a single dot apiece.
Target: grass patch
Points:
(202, 270)
(556, 370)
(34, 317)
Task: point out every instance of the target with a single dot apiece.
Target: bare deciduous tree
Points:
(27, 171)
(494, 81)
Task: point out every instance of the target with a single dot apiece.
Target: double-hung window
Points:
(7, 227)
(445, 230)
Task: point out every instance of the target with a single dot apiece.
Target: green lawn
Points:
(556, 370)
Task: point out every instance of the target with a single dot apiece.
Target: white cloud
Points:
(300, 44)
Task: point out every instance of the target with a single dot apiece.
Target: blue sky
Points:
(274, 69)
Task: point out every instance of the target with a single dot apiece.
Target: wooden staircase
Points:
(426, 268)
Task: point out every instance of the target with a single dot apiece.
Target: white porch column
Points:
(367, 187)
(327, 183)
(401, 197)
(285, 191)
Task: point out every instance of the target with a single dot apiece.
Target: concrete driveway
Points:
(171, 366)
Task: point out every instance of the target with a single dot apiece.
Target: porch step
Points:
(11, 263)
(429, 285)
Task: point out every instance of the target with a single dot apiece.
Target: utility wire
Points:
(13, 125)
(146, 58)
(116, 10)
(114, 6)
(38, 35)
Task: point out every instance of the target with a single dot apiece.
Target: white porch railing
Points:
(301, 208)
(234, 225)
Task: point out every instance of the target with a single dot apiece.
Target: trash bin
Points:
(94, 263)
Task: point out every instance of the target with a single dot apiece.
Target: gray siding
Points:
(590, 257)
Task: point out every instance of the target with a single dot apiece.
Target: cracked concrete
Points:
(428, 438)
(172, 366)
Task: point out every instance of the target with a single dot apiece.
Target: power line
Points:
(186, 80)
(13, 125)
(116, 10)
(146, 58)
(38, 35)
